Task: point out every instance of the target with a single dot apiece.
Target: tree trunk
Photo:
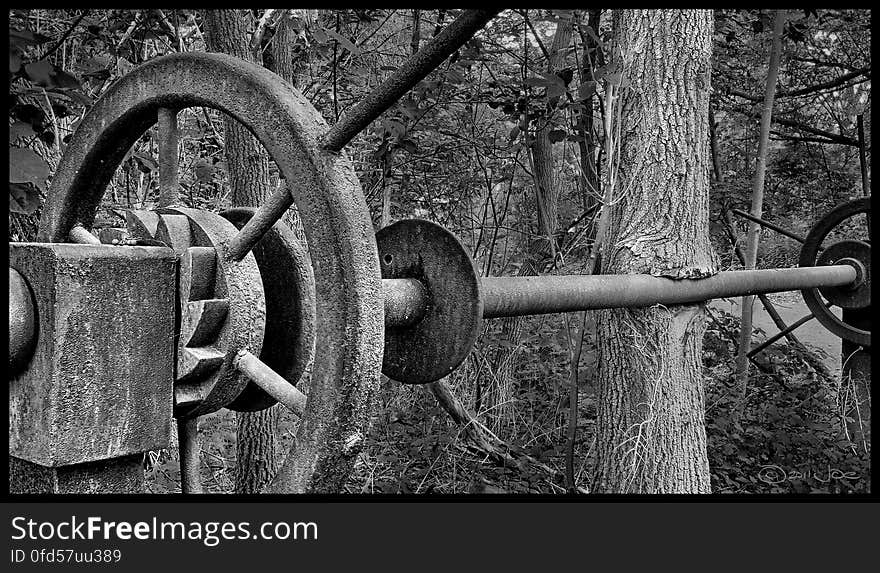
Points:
(498, 398)
(752, 238)
(651, 435)
(227, 31)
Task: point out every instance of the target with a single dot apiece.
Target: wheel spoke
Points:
(168, 157)
(780, 334)
(260, 374)
(81, 235)
(188, 445)
(269, 212)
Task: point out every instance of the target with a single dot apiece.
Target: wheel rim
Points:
(349, 322)
(808, 256)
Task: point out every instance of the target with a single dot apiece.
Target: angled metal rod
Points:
(276, 386)
(518, 296)
(264, 217)
(760, 348)
(81, 235)
(769, 225)
(408, 75)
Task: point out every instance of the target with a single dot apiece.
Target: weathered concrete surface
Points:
(99, 385)
(119, 475)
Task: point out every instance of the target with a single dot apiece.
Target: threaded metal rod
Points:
(518, 296)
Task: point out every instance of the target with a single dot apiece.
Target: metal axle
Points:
(518, 296)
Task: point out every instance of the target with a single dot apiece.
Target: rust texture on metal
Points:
(22, 323)
(516, 296)
(230, 317)
(769, 225)
(81, 235)
(118, 475)
(406, 302)
(433, 347)
(809, 256)
(414, 70)
(858, 255)
(289, 284)
(348, 290)
(262, 219)
(99, 384)
(168, 157)
(270, 382)
(188, 447)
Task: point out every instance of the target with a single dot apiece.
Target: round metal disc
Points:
(808, 258)
(849, 297)
(289, 284)
(434, 347)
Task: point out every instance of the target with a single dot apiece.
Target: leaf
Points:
(346, 43)
(64, 80)
(514, 133)
(40, 72)
(25, 166)
(26, 37)
(320, 35)
(586, 90)
(557, 135)
(408, 145)
(204, 169)
(145, 162)
(14, 62)
(20, 129)
(23, 198)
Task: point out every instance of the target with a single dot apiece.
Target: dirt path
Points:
(791, 307)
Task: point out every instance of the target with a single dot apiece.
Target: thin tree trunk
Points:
(499, 394)
(651, 435)
(752, 238)
(227, 31)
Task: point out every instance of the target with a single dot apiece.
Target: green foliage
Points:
(790, 436)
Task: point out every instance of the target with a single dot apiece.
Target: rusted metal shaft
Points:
(408, 75)
(168, 157)
(276, 386)
(22, 323)
(518, 296)
(405, 301)
(264, 217)
(81, 235)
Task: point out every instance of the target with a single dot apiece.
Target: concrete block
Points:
(99, 385)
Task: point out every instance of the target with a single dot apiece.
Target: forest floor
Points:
(793, 421)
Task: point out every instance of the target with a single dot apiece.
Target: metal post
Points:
(168, 157)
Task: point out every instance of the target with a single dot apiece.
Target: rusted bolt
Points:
(22, 322)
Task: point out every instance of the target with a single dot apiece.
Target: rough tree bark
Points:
(651, 436)
(753, 236)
